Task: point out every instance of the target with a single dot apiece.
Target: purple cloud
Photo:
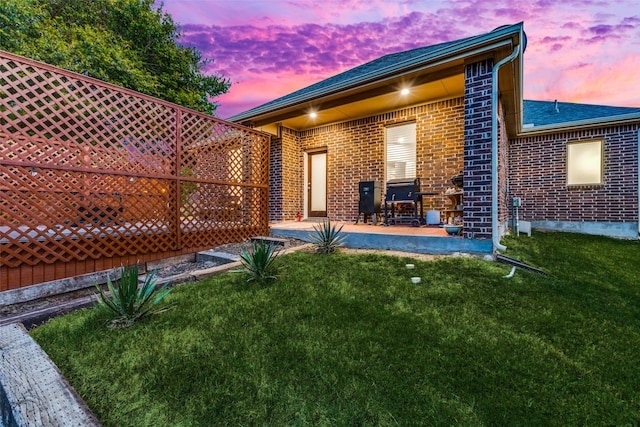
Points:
(555, 43)
(571, 26)
(551, 40)
(603, 32)
(322, 49)
(579, 66)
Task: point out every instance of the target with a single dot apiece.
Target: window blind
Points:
(401, 151)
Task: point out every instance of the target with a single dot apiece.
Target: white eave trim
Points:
(621, 119)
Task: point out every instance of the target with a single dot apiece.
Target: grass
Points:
(348, 340)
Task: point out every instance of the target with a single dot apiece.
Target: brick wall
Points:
(292, 175)
(538, 175)
(503, 169)
(355, 152)
(275, 180)
(477, 150)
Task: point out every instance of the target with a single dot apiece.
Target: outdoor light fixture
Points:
(33, 172)
(404, 91)
(313, 114)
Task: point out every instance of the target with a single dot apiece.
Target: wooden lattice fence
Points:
(93, 176)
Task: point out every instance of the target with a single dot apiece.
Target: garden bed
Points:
(167, 268)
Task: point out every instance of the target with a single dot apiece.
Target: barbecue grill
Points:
(403, 191)
(369, 203)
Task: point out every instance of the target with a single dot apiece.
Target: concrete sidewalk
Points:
(33, 392)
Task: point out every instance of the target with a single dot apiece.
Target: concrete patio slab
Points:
(425, 240)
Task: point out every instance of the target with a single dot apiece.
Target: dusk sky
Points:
(578, 50)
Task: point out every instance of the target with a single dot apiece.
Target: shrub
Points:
(260, 262)
(126, 303)
(326, 237)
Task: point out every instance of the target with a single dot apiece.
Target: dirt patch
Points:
(419, 257)
(42, 303)
(186, 267)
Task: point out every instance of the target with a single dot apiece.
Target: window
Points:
(401, 151)
(584, 163)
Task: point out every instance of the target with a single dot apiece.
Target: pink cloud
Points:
(257, 90)
(596, 84)
(549, 39)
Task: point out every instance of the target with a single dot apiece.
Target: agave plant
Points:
(260, 262)
(326, 238)
(126, 303)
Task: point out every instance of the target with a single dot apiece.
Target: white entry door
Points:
(317, 185)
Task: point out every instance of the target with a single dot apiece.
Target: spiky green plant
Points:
(126, 303)
(327, 238)
(259, 262)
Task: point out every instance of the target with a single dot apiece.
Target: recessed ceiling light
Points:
(313, 115)
(404, 91)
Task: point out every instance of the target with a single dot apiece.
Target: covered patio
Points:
(425, 239)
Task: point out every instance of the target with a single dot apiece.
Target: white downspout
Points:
(495, 233)
(638, 171)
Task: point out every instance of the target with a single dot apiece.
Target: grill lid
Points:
(402, 189)
(400, 182)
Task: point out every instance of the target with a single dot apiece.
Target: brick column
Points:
(477, 150)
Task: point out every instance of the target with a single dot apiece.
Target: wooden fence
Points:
(93, 176)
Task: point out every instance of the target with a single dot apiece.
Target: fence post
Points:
(177, 220)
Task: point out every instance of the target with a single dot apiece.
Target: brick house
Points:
(442, 110)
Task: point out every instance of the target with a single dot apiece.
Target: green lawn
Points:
(349, 340)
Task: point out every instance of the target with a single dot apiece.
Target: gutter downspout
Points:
(638, 172)
(495, 234)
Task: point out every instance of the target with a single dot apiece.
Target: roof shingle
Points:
(541, 113)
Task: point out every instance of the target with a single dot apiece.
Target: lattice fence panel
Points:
(90, 171)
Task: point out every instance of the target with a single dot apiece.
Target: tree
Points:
(130, 43)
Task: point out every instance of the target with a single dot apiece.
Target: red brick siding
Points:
(538, 176)
(477, 150)
(292, 179)
(503, 168)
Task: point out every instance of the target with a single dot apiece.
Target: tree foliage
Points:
(130, 43)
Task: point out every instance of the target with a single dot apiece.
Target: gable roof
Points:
(369, 69)
(386, 67)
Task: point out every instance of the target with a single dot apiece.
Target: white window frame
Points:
(400, 151)
(585, 163)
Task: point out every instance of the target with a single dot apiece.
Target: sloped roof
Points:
(378, 68)
(370, 68)
(544, 113)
